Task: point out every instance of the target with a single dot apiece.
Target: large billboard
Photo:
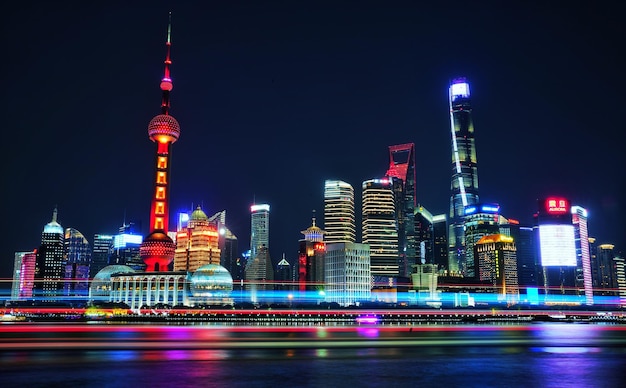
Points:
(557, 245)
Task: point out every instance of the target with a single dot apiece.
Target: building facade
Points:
(100, 253)
(402, 167)
(497, 264)
(556, 250)
(339, 219)
(347, 273)
(584, 282)
(23, 275)
(464, 183)
(197, 243)
(50, 262)
(259, 229)
(311, 254)
(480, 220)
(379, 226)
(77, 262)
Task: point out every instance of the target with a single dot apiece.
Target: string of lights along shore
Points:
(403, 256)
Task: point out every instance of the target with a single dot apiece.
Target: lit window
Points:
(158, 223)
(160, 208)
(161, 178)
(162, 162)
(160, 193)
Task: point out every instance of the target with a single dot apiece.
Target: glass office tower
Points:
(464, 183)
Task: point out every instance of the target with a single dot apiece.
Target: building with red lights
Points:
(157, 249)
(311, 253)
(556, 250)
(23, 275)
(402, 167)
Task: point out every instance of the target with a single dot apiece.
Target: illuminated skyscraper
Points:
(347, 274)
(440, 243)
(380, 228)
(339, 221)
(311, 253)
(50, 263)
(77, 262)
(102, 246)
(604, 274)
(23, 275)
(126, 248)
(259, 229)
(402, 166)
(497, 264)
(157, 249)
(583, 257)
(197, 244)
(480, 220)
(557, 248)
(424, 235)
(464, 184)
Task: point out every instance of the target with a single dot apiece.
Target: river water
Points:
(538, 355)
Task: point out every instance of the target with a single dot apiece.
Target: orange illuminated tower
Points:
(157, 249)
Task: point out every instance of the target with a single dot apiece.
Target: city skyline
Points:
(259, 111)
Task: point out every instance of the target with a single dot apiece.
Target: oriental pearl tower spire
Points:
(157, 249)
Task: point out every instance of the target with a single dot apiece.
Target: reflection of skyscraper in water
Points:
(339, 222)
(402, 167)
(464, 183)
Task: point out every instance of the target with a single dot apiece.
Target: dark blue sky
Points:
(275, 97)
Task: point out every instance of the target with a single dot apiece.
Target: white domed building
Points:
(211, 284)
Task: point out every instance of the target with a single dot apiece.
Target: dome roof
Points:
(53, 227)
(199, 215)
(106, 272)
(211, 280)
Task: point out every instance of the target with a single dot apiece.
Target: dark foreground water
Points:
(545, 355)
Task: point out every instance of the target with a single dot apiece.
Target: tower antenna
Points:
(166, 82)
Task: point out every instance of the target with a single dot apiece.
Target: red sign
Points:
(557, 205)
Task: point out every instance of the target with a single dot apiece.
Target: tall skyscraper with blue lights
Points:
(464, 183)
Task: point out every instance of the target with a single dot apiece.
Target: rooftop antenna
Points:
(166, 82)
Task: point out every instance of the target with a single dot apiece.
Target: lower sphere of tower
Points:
(157, 251)
(164, 128)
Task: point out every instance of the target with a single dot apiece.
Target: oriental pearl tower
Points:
(157, 249)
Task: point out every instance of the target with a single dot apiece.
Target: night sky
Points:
(275, 97)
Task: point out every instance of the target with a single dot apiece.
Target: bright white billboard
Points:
(557, 245)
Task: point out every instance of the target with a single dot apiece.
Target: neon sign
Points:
(557, 205)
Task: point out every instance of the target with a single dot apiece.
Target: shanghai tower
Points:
(464, 183)
(157, 249)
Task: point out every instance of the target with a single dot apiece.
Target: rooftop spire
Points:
(166, 82)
